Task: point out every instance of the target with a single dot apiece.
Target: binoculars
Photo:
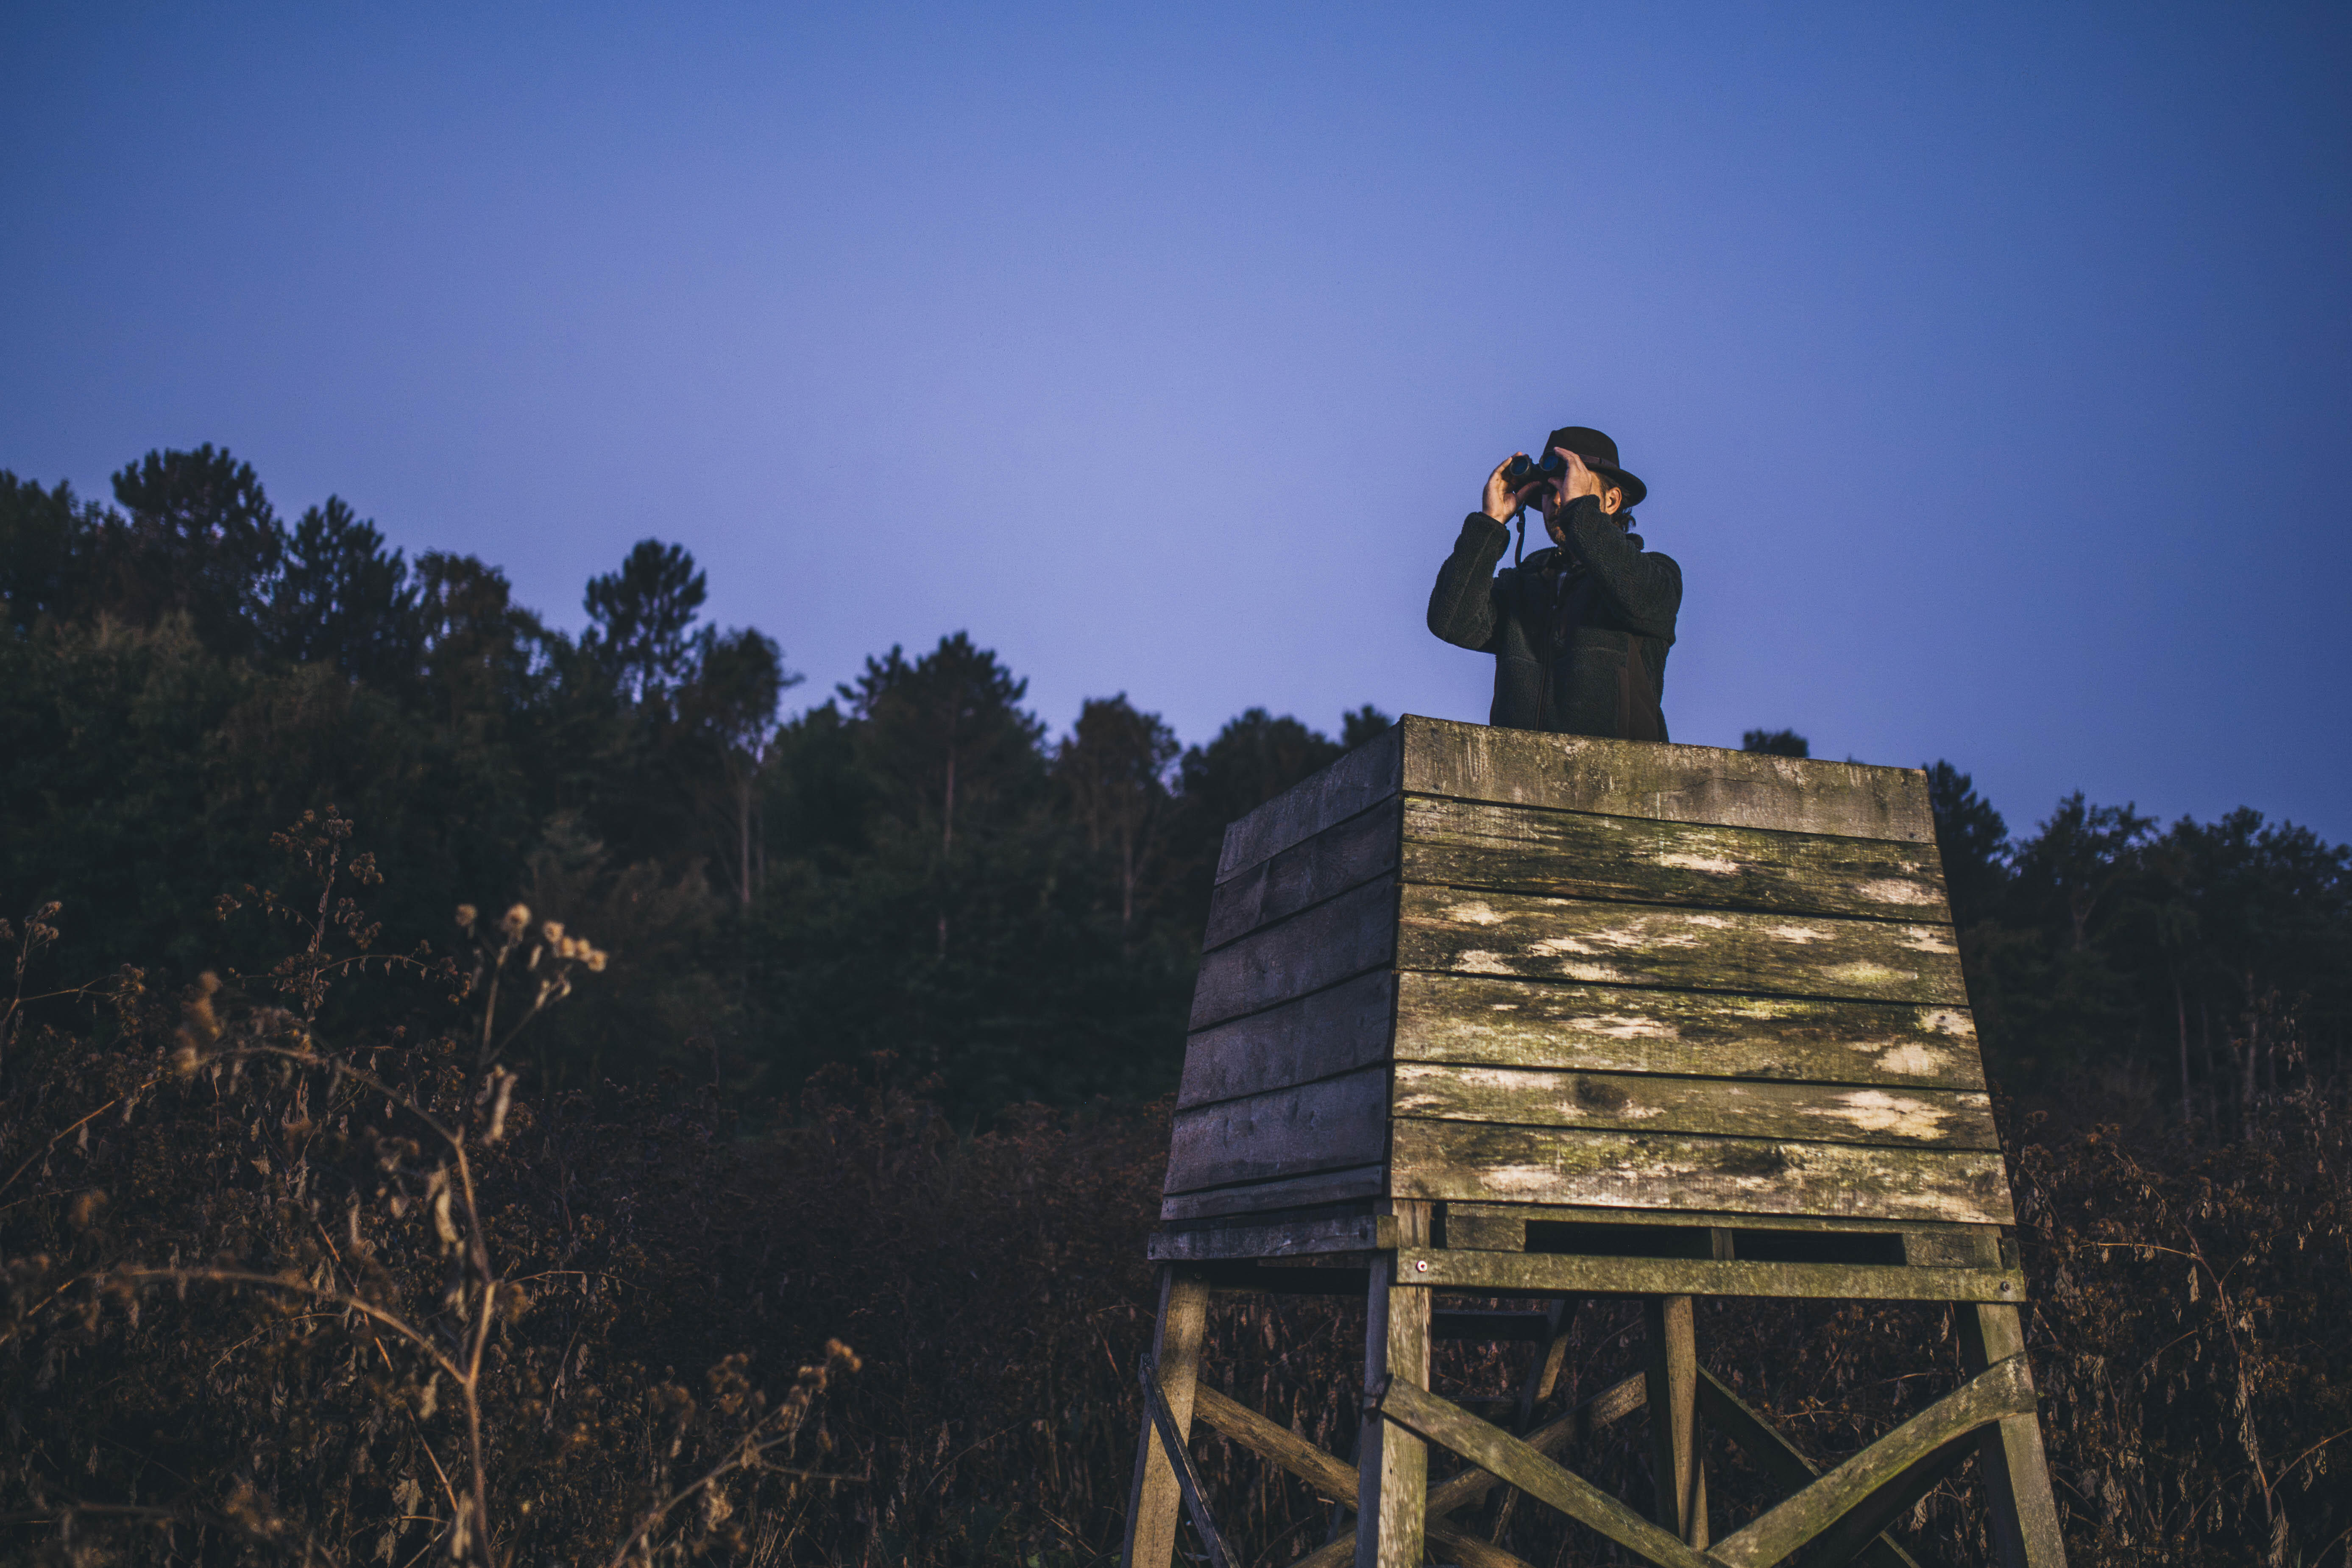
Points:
(1525, 470)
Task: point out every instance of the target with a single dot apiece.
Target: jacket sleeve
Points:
(1461, 604)
(1647, 589)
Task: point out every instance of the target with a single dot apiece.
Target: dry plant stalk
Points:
(422, 1151)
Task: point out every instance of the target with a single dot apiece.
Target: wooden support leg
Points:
(1392, 1464)
(1672, 1374)
(2009, 1452)
(1154, 1499)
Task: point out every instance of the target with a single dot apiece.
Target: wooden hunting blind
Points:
(1509, 1014)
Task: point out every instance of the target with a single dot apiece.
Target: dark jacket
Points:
(1579, 633)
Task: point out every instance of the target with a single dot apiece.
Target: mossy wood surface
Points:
(1834, 1113)
(1545, 1273)
(1503, 1227)
(1475, 1162)
(1664, 784)
(1606, 1028)
(1448, 929)
(1494, 966)
(1576, 854)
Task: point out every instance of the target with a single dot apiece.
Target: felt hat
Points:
(1599, 455)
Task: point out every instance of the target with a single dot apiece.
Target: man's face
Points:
(1551, 500)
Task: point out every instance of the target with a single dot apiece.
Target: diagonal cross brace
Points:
(1335, 1477)
(2004, 1389)
(1179, 1460)
(1727, 1413)
(1497, 1452)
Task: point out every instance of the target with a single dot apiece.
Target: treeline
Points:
(914, 865)
(2177, 973)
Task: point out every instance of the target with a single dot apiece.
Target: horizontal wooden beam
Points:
(1286, 1192)
(1569, 854)
(1661, 782)
(1463, 931)
(1510, 1219)
(1287, 1238)
(1321, 946)
(1503, 1021)
(1317, 1036)
(1364, 777)
(1470, 1162)
(1557, 1274)
(2004, 1389)
(1641, 1102)
(1328, 1126)
(1341, 856)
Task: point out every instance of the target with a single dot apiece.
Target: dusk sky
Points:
(1990, 367)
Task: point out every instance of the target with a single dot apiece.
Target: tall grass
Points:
(271, 1294)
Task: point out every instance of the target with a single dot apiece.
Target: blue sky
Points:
(1990, 367)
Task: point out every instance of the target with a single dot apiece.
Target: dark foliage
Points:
(914, 867)
(213, 1220)
(1776, 743)
(880, 1001)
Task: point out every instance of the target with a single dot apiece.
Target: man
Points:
(1579, 632)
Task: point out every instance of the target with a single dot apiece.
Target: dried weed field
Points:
(281, 1286)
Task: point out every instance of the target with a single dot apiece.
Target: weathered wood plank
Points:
(1559, 854)
(1330, 943)
(1502, 1227)
(1188, 1475)
(1859, 1539)
(1645, 944)
(1926, 1117)
(1393, 1476)
(1567, 1274)
(1677, 1459)
(2010, 1454)
(1341, 856)
(1287, 1238)
(1154, 1495)
(1612, 1404)
(1779, 1532)
(1475, 1162)
(1295, 1191)
(1325, 1126)
(1671, 783)
(1318, 1034)
(1497, 1452)
(1331, 1478)
(1364, 775)
(1505, 1021)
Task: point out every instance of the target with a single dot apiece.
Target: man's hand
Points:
(1502, 501)
(1579, 480)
